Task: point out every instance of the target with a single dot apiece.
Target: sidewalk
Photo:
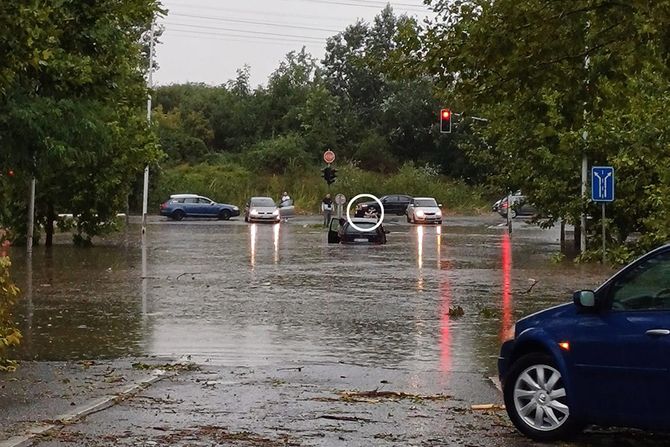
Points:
(42, 394)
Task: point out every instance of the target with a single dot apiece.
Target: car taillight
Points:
(163, 205)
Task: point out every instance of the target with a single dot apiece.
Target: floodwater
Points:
(237, 294)
(281, 320)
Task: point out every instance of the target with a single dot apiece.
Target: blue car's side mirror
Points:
(584, 298)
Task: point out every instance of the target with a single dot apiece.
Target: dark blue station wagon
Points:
(192, 205)
(603, 359)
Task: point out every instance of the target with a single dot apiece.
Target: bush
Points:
(231, 183)
(9, 334)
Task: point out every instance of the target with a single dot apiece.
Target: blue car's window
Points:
(205, 201)
(190, 200)
(647, 287)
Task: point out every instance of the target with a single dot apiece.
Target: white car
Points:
(261, 209)
(424, 210)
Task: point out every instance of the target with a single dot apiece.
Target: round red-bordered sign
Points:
(329, 156)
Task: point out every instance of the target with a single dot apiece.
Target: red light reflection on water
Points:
(445, 302)
(507, 304)
(445, 331)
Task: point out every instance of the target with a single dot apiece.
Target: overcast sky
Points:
(208, 40)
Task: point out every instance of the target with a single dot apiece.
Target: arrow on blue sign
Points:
(602, 184)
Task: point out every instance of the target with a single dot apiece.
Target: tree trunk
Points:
(563, 247)
(578, 235)
(49, 228)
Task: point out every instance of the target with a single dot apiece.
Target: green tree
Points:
(72, 114)
(546, 75)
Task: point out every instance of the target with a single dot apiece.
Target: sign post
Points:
(602, 190)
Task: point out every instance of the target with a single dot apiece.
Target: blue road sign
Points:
(602, 184)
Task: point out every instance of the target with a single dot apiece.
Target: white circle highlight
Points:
(381, 217)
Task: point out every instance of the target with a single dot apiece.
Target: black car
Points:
(393, 204)
(341, 231)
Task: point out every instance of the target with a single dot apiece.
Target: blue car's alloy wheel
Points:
(536, 399)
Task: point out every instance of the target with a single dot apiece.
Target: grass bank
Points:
(233, 183)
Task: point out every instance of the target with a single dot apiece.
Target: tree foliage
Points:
(558, 80)
(71, 101)
(9, 334)
(355, 102)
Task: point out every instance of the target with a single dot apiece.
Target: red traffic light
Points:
(10, 173)
(445, 121)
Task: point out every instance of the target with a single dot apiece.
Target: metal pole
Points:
(509, 213)
(145, 191)
(603, 222)
(585, 161)
(31, 216)
(582, 239)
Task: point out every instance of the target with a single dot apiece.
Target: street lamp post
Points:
(145, 191)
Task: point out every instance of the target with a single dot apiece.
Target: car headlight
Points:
(275, 213)
(420, 213)
(235, 208)
(253, 211)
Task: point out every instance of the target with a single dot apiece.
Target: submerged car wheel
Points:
(178, 215)
(224, 215)
(536, 399)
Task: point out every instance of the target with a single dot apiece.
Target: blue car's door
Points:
(621, 355)
(207, 208)
(191, 206)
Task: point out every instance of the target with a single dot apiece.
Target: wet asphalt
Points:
(285, 327)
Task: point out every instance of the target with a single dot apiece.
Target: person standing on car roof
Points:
(327, 209)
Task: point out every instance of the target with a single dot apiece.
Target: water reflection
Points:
(507, 304)
(275, 239)
(253, 230)
(419, 246)
(144, 274)
(254, 233)
(445, 330)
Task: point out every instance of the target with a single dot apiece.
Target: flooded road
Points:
(287, 326)
(239, 294)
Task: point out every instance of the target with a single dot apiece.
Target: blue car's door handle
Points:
(658, 332)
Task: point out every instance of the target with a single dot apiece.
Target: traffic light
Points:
(329, 174)
(445, 121)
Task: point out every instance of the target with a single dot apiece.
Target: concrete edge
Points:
(27, 439)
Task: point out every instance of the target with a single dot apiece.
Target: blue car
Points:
(603, 359)
(192, 205)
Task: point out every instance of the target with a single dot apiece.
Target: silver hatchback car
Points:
(261, 209)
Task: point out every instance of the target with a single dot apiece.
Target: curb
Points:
(27, 439)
